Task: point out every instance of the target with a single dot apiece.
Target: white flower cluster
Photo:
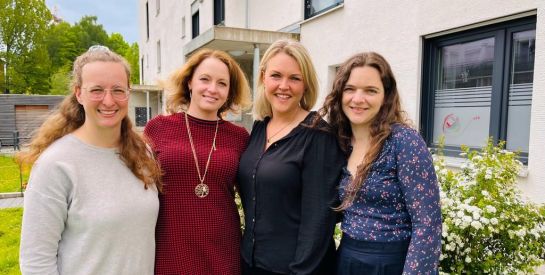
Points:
(486, 225)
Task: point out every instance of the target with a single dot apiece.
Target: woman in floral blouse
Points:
(390, 197)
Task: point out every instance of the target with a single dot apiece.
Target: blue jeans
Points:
(370, 258)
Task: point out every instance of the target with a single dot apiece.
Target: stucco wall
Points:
(398, 35)
(274, 15)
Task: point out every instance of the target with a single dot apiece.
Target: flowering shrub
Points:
(487, 226)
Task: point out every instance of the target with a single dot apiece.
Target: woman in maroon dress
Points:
(198, 229)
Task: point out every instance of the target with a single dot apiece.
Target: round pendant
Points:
(201, 190)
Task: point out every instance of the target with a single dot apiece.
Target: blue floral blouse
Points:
(399, 201)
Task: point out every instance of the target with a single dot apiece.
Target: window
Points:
(315, 7)
(147, 21)
(142, 70)
(141, 116)
(219, 12)
(183, 27)
(157, 7)
(478, 84)
(195, 24)
(158, 56)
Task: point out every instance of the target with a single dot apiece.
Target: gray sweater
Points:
(86, 213)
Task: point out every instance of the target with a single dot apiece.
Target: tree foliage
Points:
(23, 25)
(39, 51)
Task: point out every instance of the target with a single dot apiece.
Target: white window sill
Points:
(340, 6)
(454, 162)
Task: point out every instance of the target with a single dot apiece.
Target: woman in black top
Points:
(289, 172)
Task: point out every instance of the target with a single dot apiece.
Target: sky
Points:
(114, 15)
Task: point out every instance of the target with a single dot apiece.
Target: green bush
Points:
(487, 226)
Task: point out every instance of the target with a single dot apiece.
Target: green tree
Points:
(88, 33)
(132, 57)
(23, 24)
(61, 41)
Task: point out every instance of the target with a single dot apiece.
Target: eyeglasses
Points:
(98, 93)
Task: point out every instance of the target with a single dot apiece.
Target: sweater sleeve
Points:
(421, 193)
(321, 170)
(45, 212)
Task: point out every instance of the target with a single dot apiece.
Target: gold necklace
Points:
(283, 127)
(201, 190)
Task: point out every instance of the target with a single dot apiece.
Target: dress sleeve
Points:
(45, 212)
(322, 163)
(421, 193)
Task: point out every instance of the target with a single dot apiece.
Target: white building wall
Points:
(398, 35)
(274, 15)
(235, 13)
(396, 30)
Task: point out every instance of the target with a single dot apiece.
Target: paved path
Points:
(11, 202)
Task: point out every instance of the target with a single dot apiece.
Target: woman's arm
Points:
(321, 171)
(421, 193)
(45, 212)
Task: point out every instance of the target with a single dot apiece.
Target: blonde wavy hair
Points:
(70, 115)
(239, 97)
(262, 107)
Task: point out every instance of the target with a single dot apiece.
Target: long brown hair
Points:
(239, 97)
(70, 115)
(390, 113)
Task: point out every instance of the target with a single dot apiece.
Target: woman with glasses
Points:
(91, 203)
(198, 230)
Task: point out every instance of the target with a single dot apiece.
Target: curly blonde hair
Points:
(239, 97)
(70, 115)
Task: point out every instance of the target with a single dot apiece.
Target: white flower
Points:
(476, 224)
(485, 193)
(460, 214)
(468, 259)
(494, 221)
(476, 215)
(490, 209)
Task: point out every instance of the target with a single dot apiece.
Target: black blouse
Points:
(288, 192)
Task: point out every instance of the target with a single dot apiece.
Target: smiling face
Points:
(108, 112)
(284, 85)
(363, 95)
(209, 87)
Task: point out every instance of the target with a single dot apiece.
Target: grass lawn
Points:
(10, 232)
(9, 175)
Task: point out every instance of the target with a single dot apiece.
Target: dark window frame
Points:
(219, 12)
(308, 8)
(502, 32)
(195, 24)
(147, 21)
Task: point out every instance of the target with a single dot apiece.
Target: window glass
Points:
(520, 90)
(463, 93)
(314, 7)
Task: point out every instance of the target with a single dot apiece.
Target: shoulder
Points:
(56, 163)
(236, 130)
(317, 126)
(408, 140)
(403, 133)
(162, 119)
(160, 122)
(61, 149)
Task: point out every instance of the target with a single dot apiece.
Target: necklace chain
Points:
(213, 148)
(283, 127)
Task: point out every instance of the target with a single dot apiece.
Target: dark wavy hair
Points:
(390, 113)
